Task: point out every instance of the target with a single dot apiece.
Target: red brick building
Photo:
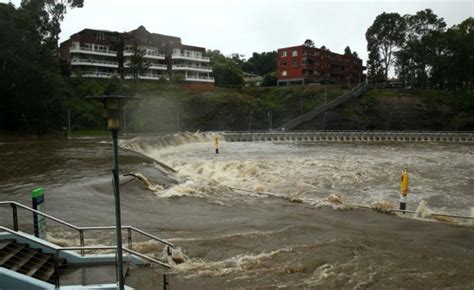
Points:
(304, 64)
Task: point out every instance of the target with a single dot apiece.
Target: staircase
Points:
(355, 92)
(25, 260)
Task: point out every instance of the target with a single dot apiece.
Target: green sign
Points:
(37, 192)
(39, 221)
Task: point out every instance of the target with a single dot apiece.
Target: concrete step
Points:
(36, 262)
(20, 259)
(9, 252)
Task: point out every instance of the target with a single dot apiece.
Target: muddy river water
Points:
(261, 215)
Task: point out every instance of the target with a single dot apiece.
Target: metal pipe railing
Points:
(80, 230)
(57, 250)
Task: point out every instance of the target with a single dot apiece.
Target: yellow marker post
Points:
(404, 189)
(216, 144)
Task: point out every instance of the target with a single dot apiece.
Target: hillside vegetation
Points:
(401, 109)
(168, 107)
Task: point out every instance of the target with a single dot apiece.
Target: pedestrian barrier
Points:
(351, 136)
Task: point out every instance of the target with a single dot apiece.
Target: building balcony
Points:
(156, 66)
(190, 67)
(202, 79)
(94, 51)
(94, 62)
(189, 57)
(148, 54)
(148, 76)
(93, 74)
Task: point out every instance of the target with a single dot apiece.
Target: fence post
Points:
(81, 240)
(56, 269)
(129, 230)
(15, 217)
(165, 282)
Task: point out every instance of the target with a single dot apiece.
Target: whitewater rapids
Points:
(259, 215)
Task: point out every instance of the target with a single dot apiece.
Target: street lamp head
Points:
(113, 105)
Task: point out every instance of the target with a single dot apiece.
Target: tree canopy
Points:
(423, 52)
(384, 36)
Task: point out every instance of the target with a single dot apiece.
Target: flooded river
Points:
(261, 215)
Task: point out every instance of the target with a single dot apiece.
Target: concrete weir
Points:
(352, 136)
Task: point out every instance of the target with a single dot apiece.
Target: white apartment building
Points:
(103, 54)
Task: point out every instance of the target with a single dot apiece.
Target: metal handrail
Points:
(81, 230)
(58, 249)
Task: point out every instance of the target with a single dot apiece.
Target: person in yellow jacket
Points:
(404, 189)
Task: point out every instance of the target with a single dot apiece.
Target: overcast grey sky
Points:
(247, 26)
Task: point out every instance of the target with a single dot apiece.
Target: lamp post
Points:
(113, 106)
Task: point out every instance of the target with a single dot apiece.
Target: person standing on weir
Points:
(404, 189)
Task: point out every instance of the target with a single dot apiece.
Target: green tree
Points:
(308, 43)
(56, 10)
(422, 31)
(137, 65)
(270, 79)
(347, 51)
(375, 71)
(458, 57)
(384, 37)
(226, 70)
(261, 63)
(32, 90)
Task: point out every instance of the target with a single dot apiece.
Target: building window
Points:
(283, 53)
(295, 63)
(100, 36)
(283, 63)
(283, 73)
(294, 52)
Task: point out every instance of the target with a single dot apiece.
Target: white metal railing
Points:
(178, 55)
(15, 206)
(58, 249)
(152, 65)
(147, 53)
(192, 66)
(94, 74)
(199, 78)
(158, 65)
(154, 53)
(83, 48)
(93, 61)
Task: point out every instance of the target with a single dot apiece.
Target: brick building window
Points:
(283, 73)
(283, 53)
(295, 62)
(283, 63)
(294, 52)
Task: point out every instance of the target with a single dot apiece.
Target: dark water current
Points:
(286, 234)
